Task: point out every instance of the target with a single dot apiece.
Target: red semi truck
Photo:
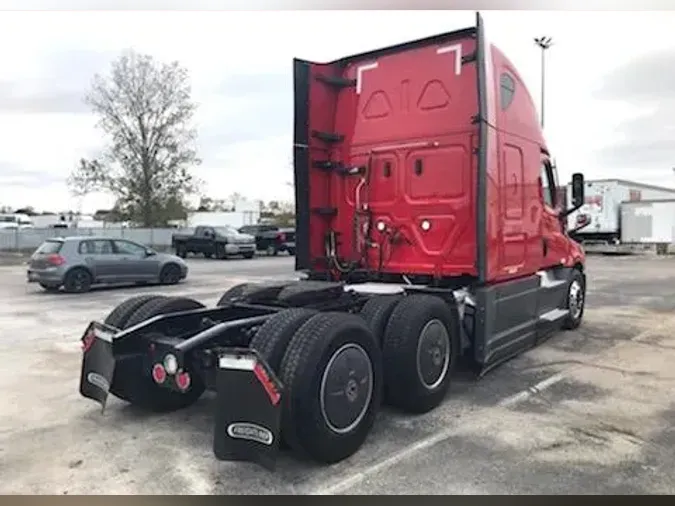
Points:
(429, 231)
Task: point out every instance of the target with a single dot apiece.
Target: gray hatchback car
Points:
(78, 263)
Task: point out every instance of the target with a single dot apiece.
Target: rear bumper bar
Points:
(248, 394)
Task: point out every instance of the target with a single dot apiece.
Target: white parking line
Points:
(537, 388)
(355, 479)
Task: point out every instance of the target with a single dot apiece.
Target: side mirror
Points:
(578, 186)
(149, 252)
(577, 190)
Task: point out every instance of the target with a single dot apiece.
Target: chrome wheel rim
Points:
(576, 299)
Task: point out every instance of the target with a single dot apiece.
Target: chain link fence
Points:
(28, 239)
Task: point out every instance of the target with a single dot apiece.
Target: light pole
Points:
(544, 43)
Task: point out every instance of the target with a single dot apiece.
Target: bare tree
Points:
(145, 108)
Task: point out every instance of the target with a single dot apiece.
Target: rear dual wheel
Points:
(331, 367)
(420, 346)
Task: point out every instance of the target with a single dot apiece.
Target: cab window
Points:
(548, 185)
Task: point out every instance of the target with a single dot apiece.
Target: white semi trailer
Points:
(602, 211)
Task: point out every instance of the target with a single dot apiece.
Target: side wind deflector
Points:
(316, 87)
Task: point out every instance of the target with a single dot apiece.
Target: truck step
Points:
(548, 280)
(554, 315)
(553, 283)
(338, 168)
(328, 137)
(325, 211)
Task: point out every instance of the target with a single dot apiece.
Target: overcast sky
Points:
(610, 87)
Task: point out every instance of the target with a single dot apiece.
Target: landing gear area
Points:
(304, 364)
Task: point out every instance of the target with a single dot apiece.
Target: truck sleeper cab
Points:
(429, 231)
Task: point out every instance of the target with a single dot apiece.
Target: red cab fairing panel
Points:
(406, 117)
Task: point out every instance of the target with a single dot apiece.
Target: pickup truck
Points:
(271, 238)
(220, 242)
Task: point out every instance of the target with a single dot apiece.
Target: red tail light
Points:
(158, 374)
(281, 237)
(183, 381)
(55, 260)
(87, 341)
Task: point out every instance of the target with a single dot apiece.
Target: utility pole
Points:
(544, 43)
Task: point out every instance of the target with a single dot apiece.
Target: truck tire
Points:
(330, 428)
(220, 252)
(420, 350)
(377, 311)
(181, 251)
(164, 305)
(132, 381)
(272, 250)
(119, 316)
(273, 337)
(233, 294)
(576, 301)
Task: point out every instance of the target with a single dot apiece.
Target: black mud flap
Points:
(98, 362)
(248, 409)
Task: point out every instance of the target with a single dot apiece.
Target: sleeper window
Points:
(507, 89)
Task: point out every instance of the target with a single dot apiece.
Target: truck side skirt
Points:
(516, 315)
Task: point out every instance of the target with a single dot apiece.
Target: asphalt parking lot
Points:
(589, 411)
